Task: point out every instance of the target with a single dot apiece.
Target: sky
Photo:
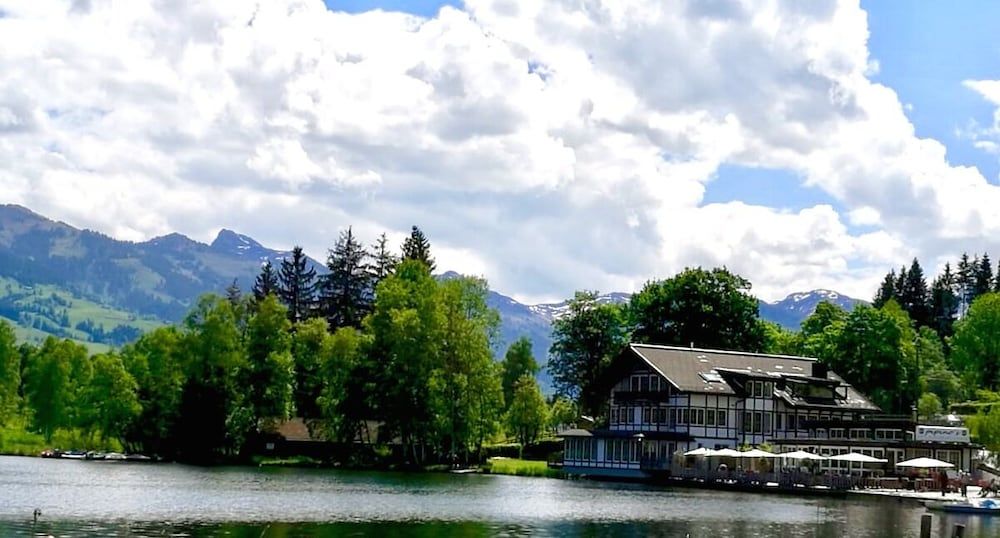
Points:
(548, 146)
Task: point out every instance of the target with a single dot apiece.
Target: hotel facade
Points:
(668, 400)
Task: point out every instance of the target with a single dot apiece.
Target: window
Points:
(673, 416)
(635, 383)
(836, 433)
(777, 421)
(767, 422)
(644, 384)
(685, 415)
(720, 418)
(758, 421)
(710, 417)
(700, 416)
(646, 412)
(747, 421)
(791, 421)
(758, 389)
(654, 383)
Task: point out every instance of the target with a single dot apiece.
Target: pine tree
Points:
(887, 290)
(234, 294)
(298, 284)
(983, 276)
(417, 247)
(266, 283)
(965, 282)
(900, 285)
(996, 280)
(383, 260)
(915, 299)
(346, 294)
(944, 303)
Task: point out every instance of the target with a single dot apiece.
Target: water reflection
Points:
(107, 499)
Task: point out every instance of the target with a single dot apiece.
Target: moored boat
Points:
(971, 506)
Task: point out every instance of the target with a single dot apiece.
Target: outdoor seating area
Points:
(800, 469)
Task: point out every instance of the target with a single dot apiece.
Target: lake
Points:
(80, 498)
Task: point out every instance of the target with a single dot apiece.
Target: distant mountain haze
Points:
(160, 279)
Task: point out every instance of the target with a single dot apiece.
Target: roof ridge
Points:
(724, 352)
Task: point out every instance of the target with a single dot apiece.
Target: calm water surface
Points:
(80, 498)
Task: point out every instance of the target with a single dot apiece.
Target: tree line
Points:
(376, 340)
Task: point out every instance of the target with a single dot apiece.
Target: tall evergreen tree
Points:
(964, 283)
(900, 285)
(346, 294)
(234, 294)
(944, 303)
(887, 290)
(983, 276)
(266, 283)
(384, 262)
(915, 299)
(417, 247)
(298, 284)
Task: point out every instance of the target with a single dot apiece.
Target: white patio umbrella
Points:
(801, 455)
(857, 458)
(700, 451)
(757, 453)
(725, 453)
(925, 463)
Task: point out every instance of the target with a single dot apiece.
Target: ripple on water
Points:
(110, 499)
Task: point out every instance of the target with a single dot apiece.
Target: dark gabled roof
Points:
(689, 370)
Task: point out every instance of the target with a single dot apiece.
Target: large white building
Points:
(669, 400)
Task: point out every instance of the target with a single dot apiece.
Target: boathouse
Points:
(665, 401)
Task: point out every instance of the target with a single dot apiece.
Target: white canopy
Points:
(925, 463)
(757, 453)
(725, 453)
(801, 455)
(858, 458)
(700, 451)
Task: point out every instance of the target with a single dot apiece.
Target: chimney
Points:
(819, 370)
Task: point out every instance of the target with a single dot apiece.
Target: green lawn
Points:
(16, 440)
(517, 467)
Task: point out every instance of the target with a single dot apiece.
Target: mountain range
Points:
(57, 279)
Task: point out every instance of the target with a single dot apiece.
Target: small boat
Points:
(74, 455)
(114, 456)
(971, 506)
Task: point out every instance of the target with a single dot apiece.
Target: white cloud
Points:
(551, 146)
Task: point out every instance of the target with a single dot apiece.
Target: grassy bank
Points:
(16, 440)
(517, 467)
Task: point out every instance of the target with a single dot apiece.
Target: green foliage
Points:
(54, 376)
(584, 342)
(155, 361)
(976, 344)
(108, 403)
(562, 413)
(517, 362)
(338, 356)
(466, 394)
(346, 292)
(10, 372)
(213, 420)
(780, 341)
(308, 350)
(384, 262)
(929, 405)
(270, 367)
(297, 285)
(985, 428)
(528, 414)
(708, 308)
(417, 247)
(405, 348)
(935, 376)
(266, 282)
